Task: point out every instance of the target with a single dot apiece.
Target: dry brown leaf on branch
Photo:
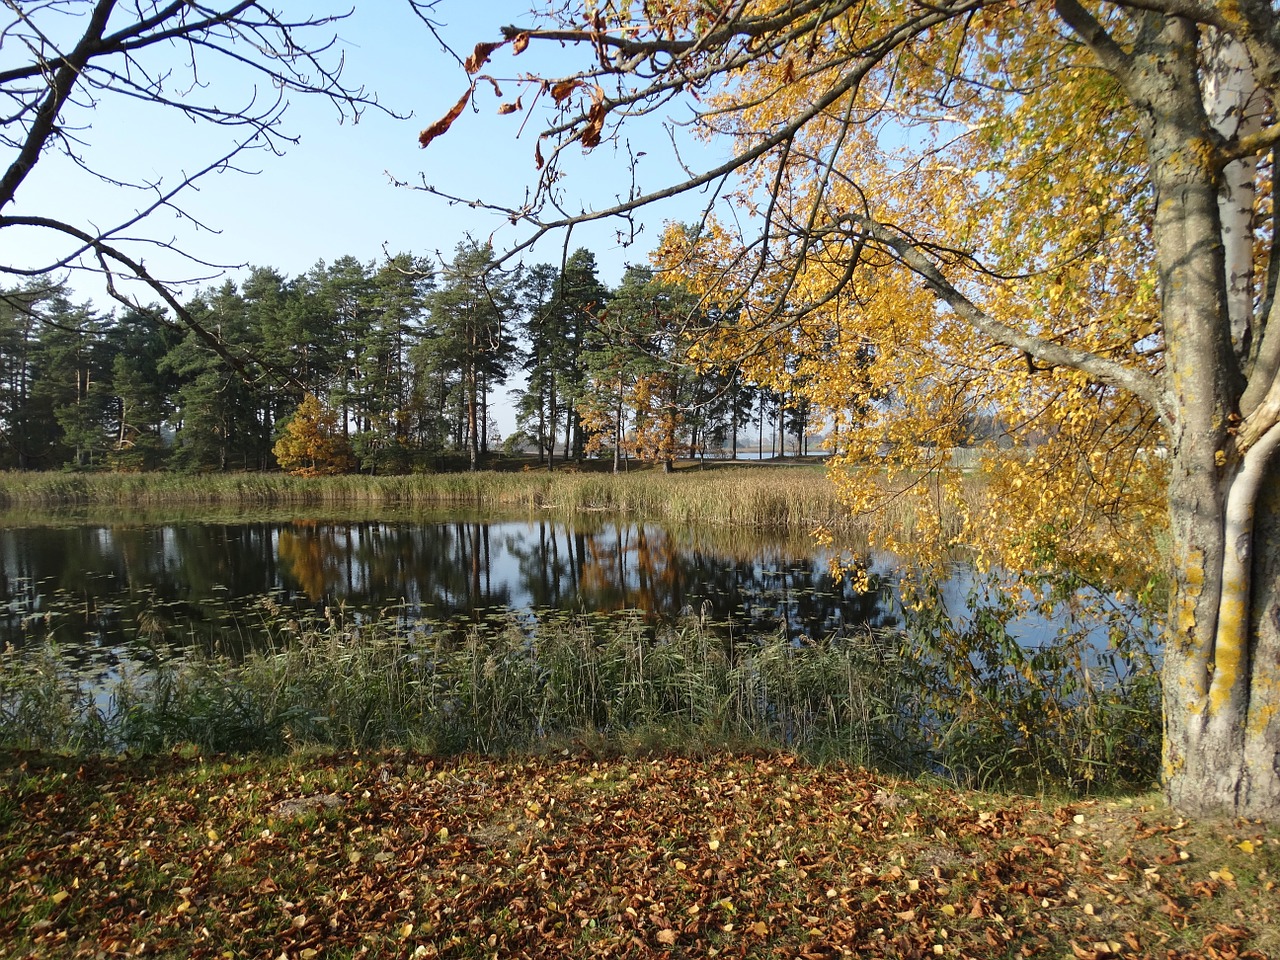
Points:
(562, 90)
(506, 108)
(444, 123)
(480, 56)
(519, 44)
(591, 132)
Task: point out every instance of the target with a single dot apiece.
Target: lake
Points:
(99, 584)
(91, 582)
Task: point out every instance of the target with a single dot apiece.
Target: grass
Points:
(775, 497)
(397, 853)
(614, 681)
(502, 684)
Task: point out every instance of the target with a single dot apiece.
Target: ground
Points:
(402, 855)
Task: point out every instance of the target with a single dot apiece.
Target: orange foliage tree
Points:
(312, 445)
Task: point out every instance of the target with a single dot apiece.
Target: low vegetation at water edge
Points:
(882, 699)
(799, 496)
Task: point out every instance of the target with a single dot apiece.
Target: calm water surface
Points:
(91, 582)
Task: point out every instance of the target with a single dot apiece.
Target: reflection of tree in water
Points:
(193, 582)
(303, 551)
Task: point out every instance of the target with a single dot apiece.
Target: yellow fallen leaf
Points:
(406, 930)
(759, 928)
(948, 910)
(1246, 846)
(442, 834)
(1226, 874)
(714, 845)
(212, 834)
(60, 896)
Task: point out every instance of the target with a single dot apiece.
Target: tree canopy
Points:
(1057, 216)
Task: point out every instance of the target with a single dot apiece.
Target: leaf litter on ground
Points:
(395, 854)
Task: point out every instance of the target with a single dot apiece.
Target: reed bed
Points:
(772, 497)
(495, 687)
(612, 684)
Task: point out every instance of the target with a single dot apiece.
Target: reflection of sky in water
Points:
(196, 579)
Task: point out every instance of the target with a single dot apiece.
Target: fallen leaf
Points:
(667, 937)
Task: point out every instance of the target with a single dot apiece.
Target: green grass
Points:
(613, 682)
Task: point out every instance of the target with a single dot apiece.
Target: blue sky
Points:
(331, 194)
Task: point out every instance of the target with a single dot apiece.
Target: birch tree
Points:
(1059, 211)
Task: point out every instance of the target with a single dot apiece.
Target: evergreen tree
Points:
(474, 313)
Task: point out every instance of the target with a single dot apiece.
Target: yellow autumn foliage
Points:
(1033, 214)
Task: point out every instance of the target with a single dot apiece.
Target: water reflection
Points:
(100, 584)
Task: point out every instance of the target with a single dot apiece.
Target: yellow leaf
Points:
(406, 930)
(759, 928)
(442, 834)
(60, 896)
(948, 910)
(212, 834)
(1226, 875)
(1246, 846)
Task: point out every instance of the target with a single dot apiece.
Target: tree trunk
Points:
(1221, 665)
(617, 432)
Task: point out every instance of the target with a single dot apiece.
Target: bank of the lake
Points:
(158, 636)
(798, 495)
(399, 854)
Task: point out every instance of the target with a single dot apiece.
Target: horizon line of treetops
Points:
(382, 368)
